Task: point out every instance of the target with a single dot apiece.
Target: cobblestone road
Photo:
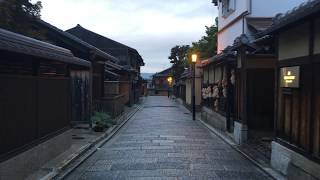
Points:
(162, 142)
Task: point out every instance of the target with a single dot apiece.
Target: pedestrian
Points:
(168, 93)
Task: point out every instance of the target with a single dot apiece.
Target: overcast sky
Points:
(152, 27)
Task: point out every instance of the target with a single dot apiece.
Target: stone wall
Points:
(240, 132)
(214, 119)
(293, 164)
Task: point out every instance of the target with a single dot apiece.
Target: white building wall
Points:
(226, 37)
(241, 6)
(254, 8)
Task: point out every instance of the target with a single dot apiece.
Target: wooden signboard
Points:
(290, 77)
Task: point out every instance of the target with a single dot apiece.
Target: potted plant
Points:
(102, 120)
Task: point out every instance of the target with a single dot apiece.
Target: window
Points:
(228, 7)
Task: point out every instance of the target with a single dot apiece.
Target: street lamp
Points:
(169, 79)
(194, 58)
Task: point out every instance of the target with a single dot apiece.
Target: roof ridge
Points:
(301, 7)
(69, 35)
(99, 35)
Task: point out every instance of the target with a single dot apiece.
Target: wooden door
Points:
(260, 99)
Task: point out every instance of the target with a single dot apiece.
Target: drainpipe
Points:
(249, 11)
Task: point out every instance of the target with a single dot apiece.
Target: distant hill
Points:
(147, 75)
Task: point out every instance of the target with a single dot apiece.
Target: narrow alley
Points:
(162, 142)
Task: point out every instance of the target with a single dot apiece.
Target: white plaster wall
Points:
(188, 91)
(240, 7)
(197, 91)
(255, 8)
(317, 37)
(269, 8)
(294, 42)
(227, 37)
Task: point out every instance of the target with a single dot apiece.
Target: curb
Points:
(268, 170)
(77, 159)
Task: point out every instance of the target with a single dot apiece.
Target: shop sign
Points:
(290, 77)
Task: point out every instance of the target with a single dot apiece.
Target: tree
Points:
(18, 16)
(178, 58)
(206, 47)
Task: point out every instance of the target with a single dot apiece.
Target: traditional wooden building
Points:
(35, 102)
(296, 147)
(253, 89)
(128, 57)
(241, 77)
(89, 88)
(162, 83)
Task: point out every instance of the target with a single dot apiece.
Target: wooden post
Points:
(243, 71)
(312, 93)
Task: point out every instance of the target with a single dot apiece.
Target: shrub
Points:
(102, 120)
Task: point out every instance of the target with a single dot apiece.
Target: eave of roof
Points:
(258, 23)
(114, 66)
(13, 42)
(79, 41)
(112, 73)
(224, 57)
(186, 74)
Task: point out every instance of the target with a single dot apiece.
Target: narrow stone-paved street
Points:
(162, 142)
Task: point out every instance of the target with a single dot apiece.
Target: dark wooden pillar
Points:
(312, 94)
(243, 72)
(229, 98)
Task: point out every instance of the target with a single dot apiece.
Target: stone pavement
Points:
(162, 142)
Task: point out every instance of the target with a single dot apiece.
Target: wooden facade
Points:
(35, 92)
(297, 108)
(254, 90)
(127, 57)
(92, 84)
(239, 85)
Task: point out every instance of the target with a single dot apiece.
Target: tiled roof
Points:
(164, 73)
(17, 43)
(79, 41)
(306, 9)
(101, 42)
